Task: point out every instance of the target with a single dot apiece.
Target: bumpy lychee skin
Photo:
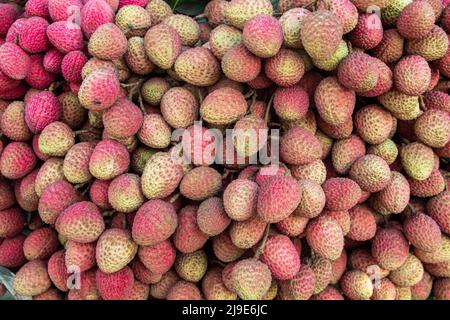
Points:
(124, 193)
(133, 20)
(37, 76)
(417, 160)
(373, 124)
(439, 210)
(11, 252)
(123, 119)
(422, 231)
(356, 285)
(115, 286)
(223, 38)
(442, 254)
(15, 63)
(358, 72)
(240, 65)
(154, 132)
(155, 221)
(200, 183)
(341, 193)
(11, 222)
(76, 162)
(402, 106)
(158, 258)
(163, 45)
(81, 222)
(7, 197)
(371, 172)
(72, 64)
(52, 60)
(238, 12)
(108, 42)
(298, 146)
(79, 255)
(291, 103)
(441, 289)
(211, 216)
(56, 139)
(184, 290)
(40, 244)
(17, 160)
(331, 63)
(395, 196)
(42, 109)
(429, 187)
(390, 49)
(170, 174)
(345, 152)
(422, 290)
(99, 90)
(433, 128)
(115, 249)
(312, 199)
(250, 279)
(94, 14)
(188, 237)
(33, 37)
(390, 248)
(224, 249)
(245, 234)
(109, 159)
(32, 279)
(325, 237)
(55, 198)
(432, 46)
(136, 57)
(186, 27)
(281, 256)
(179, 107)
(412, 75)
(286, 68)
(409, 274)
(329, 94)
(240, 199)
(191, 266)
(223, 106)
(214, 288)
(416, 20)
(264, 44)
(198, 66)
(362, 223)
(65, 36)
(321, 34)
(277, 198)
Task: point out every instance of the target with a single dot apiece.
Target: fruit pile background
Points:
(93, 206)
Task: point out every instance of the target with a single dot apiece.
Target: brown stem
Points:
(269, 106)
(174, 197)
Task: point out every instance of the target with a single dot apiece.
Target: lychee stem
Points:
(269, 106)
(422, 103)
(174, 197)
(260, 250)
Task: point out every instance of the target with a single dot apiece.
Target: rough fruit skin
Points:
(324, 235)
(438, 209)
(433, 128)
(416, 20)
(358, 72)
(94, 13)
(65, 36)
(213, 287)
(417, 160)
(200, 183)
(245, 234)
(363, 225)
(80, 255)
(298, 146)
(33, 37)
(321, 34)
(76, 162)
(395, 196)
(115, 286)
(277, 198)
(40, 244)
(281, 256)
(238, 12)
(15, 63)
(133, 20)
(179, 107)
(432, 46)
(223, 106)
(356, 285)
(123, 119)
(251, 279)
(72, 64)
(334, 102)
(368, 32)
(429, 187)
(188, 237)
(240, 199)
(42, 109)
(163, 45)
(240, 65)
(312, 199)
(99, 90)
(155, 221)
(402, 106)
(341, 193)
(81, 222)
(115, 249)
(191, 266)
(17, 160)
(225, 250)
(286, 68)
(198, 66)
(56, 139)
(422, 231)
(345, 152)
(158, 258)
(107, 42)
(441, 289)
(109, 159)
(32, 279)
(263, 35)
(390, 248)
(371, 172)
(124, 193)
(390, 49)
(154, 132)
(186, 27)
(373, 124)
(211, 217)
(291, 103)
(183, 290)
(412, 75)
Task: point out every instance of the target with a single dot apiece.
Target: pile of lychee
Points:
(349, 99)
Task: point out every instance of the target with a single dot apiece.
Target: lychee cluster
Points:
(97, 110)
